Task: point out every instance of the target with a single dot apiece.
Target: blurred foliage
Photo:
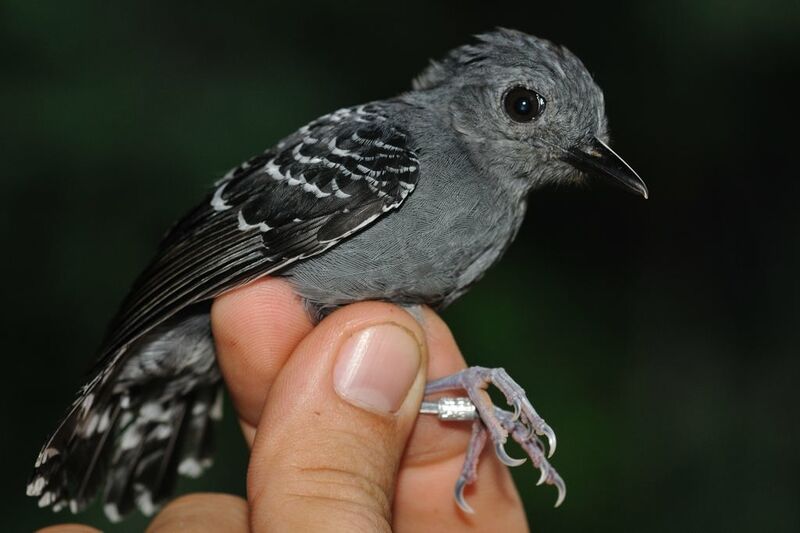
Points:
(659, 338)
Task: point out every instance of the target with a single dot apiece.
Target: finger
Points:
(256, 328)
(68, 528)
(201, 513)
(335, 423)
(433, 460)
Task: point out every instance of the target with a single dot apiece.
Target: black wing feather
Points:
(315, 188)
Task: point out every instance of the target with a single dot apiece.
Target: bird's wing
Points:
(327, 181)
(320, 185)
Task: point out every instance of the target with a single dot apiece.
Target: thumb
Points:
(335, 424)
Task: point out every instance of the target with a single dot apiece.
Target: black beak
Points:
(600, 161)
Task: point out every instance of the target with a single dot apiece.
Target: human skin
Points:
(320, 462)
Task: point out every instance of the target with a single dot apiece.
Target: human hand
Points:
(337, 446)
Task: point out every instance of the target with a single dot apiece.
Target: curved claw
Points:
(459, 495)
(517, 412)
(505, 458)
(542, 475)
(548, 432)
(562, 490)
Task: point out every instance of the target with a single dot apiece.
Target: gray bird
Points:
(408, 200)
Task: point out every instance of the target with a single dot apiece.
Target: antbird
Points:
(408, 200)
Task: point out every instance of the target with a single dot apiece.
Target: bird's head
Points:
(528, 110)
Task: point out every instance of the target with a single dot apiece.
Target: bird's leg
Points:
(523, 425)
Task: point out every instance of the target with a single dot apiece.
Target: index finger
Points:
(255, 329)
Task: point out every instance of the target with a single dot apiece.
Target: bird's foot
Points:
(523, 425)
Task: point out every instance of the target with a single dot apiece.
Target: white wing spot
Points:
(127, 416)
(130, 438)
(145, 500)
(151, 411)
(46, 499)
(190, 467)
(112, 513)
(46, 455)
(263, 227)
(274, 170)
(337, 191)
(380, 144)
(88, 429)
(105, 420)
(162, 432)
(35, 487)
(312, 188)
(87, 403)
(217, 201)
(304, 159)
(216, 409)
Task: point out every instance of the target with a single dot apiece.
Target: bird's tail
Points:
(129, 441)
(157, 442)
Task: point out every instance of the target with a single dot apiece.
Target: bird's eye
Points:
(523, 105)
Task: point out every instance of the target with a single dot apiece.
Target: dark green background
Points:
(660, 338)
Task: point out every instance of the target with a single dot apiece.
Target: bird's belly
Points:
(396, 273)
(403, 260)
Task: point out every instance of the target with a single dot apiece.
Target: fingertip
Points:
(250, 314)
(68, 528)
(201, 512)
(255, 329)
